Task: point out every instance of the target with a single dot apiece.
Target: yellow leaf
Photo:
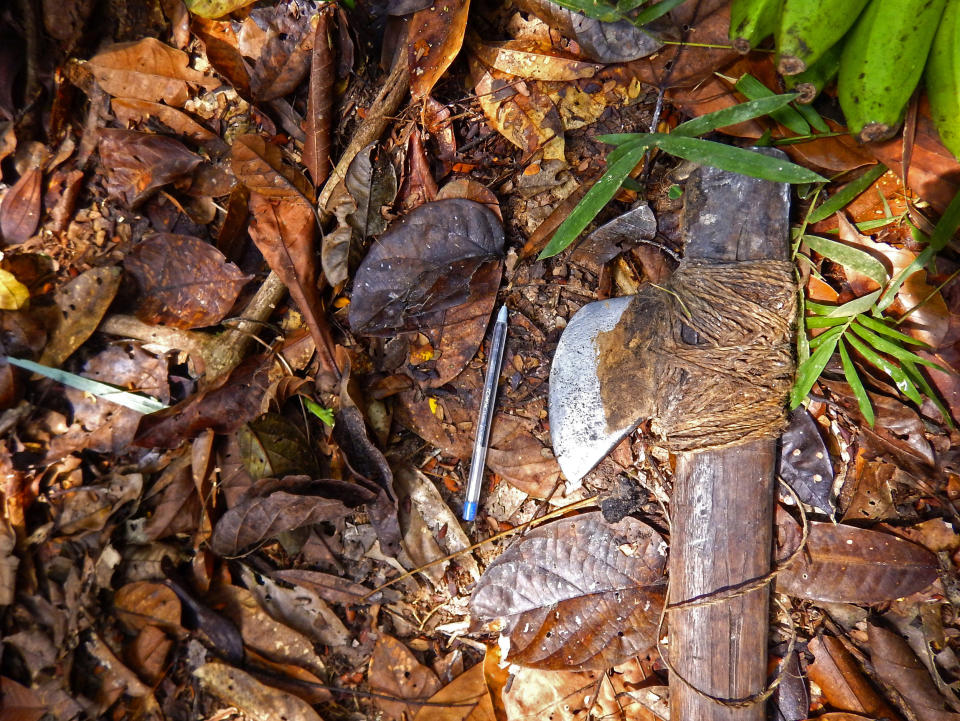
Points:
(215, 8)
(13, 294)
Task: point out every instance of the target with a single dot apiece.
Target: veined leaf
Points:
(882, 328)
(810, 370)
(736, 160)
(843, 198)
(733, 115)
(900, 379)
(848, 256)
(856, 385)
(593, 201)
(830, 335)
(890, 348)
(786, 116)
(820, 321)
(853, 307)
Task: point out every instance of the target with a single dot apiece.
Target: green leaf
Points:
(849, 256)
(324, 414)
(853, 307)
(592, 9)
(673, 192)
(820, 321)
(850, 191)
(803, 343)
(827, 337)
(810, 370)
(736, 160)
(593, 201)
(917, 377)
(856, 385)
(653, 12)
(895, 372)
(899, 352)
(133, 401)
(731, 116)
(879, 326)
(811, 115)
(787, 116)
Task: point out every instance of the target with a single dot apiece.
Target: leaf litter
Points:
(233, 551)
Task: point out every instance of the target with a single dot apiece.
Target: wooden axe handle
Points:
(722, 507)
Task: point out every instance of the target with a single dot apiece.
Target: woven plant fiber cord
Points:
(707, 356)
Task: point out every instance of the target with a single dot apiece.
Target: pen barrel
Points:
(485, 421)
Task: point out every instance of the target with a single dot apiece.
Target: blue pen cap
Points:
(469, 510)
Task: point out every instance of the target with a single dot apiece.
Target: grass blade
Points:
(651, 13)
(593, 201)
(850, 191)
(853, 307)
(736, 160)
(810, 370)
(827, 337)
(856, 385)
(849, 256)
(753, 89)
(917, 377)
(900, 379)
(878, 326)
(133, 401)
(899, 352)
(821, 321)
(731, 116)
(592, 9)
(811, 115)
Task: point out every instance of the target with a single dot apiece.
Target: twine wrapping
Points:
(707, 356)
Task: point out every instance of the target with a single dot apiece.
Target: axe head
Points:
(578, 425)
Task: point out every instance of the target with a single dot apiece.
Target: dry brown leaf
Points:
(842, 682)
(20, 702)
(220, 43)
(148, 653)
(260, 166)
(20, 211)
(434, 38)
(141, 604)
(466, 698)
(148, 70)
(138, 164)
(258, 701)
(316, 147)
(82, 302)
(88, 508)
(394, 671)
(530, 61)
(139, 112)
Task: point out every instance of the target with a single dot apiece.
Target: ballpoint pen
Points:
(487, 401)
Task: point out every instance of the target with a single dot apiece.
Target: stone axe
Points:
(707, 359)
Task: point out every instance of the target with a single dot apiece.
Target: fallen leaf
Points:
(406, 285)
(805, 461)
(147, 70)
(20, 211)
(254, 520)
(223, 407)
(284, 60)
(869, 492)
(21, 703)
(434, 37)
(418, 186)
(88, 508)
(138, 164)
(466, 698)
(260, 166)
(14, 295)
(395, 672)
(576, 593)
(148, 653)
(897, 665)
(316, 147)
(8, 563)
(258, 701)
(82, 302)
(143, 604)
(334, 589)
(846, 564)
(273, 446)
(131, 111)
(220, 43)
(184, 281)
(530, 61)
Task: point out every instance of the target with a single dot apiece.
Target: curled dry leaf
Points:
(185, 282)
(576, 593)
(466, 698)
(147, 70)
(223, 407)
(138, 164)
(846, 564)
(88, 508)
(424, 265)
(329, 587)
(220, 43)
(316, 147)
(20, 211)
(260, 166)
(435, 36)
(258, 701)
(254, 520)
(395, 672)
(82, 303)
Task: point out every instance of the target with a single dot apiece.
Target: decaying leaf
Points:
(185, 282)
(530, 61)
(132, 111)
(260, 166)
(13, 294)
(88, 508)
(423, 265)
(138, 164)
(395, 672)
(576, 593)
(257, 519)
(82, 302)
(148, 70)
(273, 446)
(284, 58)
(258, 701)
(842, 682)
(434, 38)
(846, 564)
(142, 603)
(805, 462)
(220, 42)
(20, 211)
(466, 698)
(316, 147)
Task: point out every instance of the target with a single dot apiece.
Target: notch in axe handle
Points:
(722, 507)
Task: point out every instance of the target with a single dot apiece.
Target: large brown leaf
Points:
(137, 164)
(424, 265)
(316, 147)
(257, 519)
(435, 37)
(285, 57)
(148, 70)
(185, 282)
(260, 166)
(82, 303)
(846, 564)
(257, 701)
(577, 593)
(395, 672)
(842, 681)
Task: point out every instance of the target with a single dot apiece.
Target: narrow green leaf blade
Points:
(878, 326)
(592, 9)
(917, 377)
(848, 256)
(752, 89)
(899, 378)
(827, 337)
(851, 190)
(653, 12)
(809, 371)
(811, 115)
(593, 201)
(853, 307)
(856, 385)
(820, 321)
(731, 116)
(890, 348)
